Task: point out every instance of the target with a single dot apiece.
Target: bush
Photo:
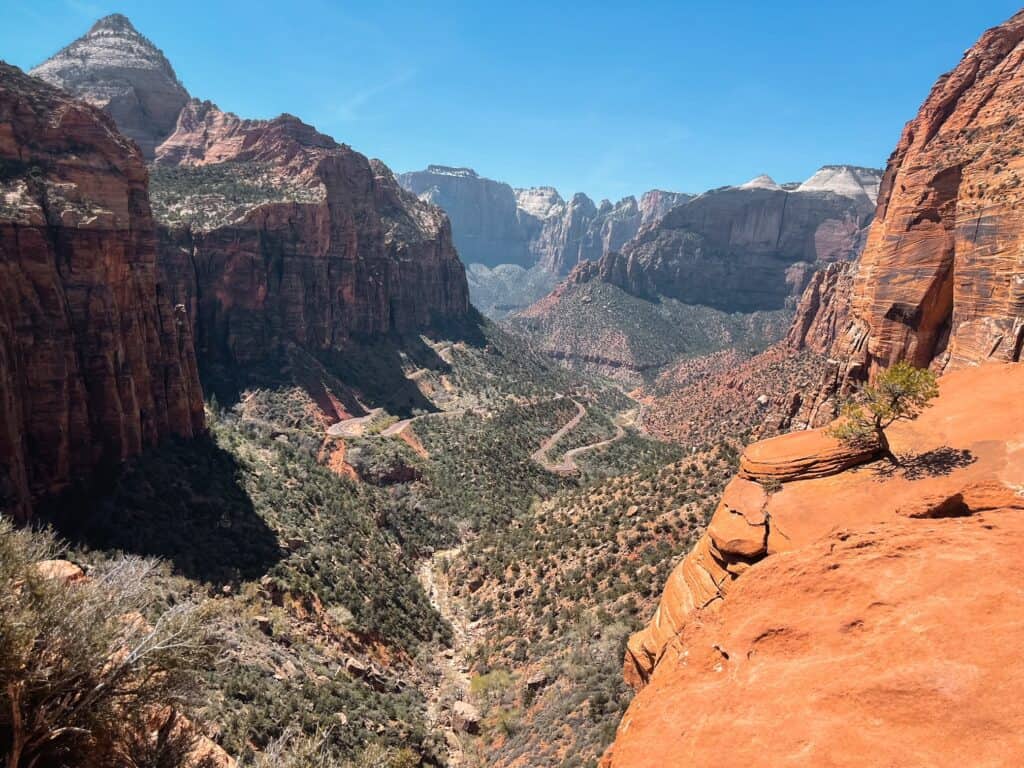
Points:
(899, 393)
(84, 666)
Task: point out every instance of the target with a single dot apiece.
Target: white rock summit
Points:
(117, 69)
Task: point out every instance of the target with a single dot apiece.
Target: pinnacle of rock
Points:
(116, 68)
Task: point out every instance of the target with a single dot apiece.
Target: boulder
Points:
(465, 718)
(61, 570)
(801, 455)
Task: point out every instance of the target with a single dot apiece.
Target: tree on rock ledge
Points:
(899, 393)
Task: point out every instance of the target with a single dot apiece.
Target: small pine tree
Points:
(899, 393)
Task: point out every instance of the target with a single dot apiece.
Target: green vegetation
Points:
(83, 665)
(209, 196)
(308, 548)
(598, 321)
(899, 393)
(562, 588)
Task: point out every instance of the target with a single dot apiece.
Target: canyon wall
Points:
(939, 280)
(938, 283)
(96, 361)
(488, 225)
(278, 235)
(495, 224)
(746, 248)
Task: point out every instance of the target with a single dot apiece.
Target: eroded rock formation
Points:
(279, 235)
(488, 226)
(117, 69)
(745, 248)
(96, 362)
(939, 279)
(494, 224)
(783, 636)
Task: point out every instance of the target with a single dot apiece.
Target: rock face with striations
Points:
(746, 248)
(96, 363)
(117, 69)
(939, 280)
(279, 235)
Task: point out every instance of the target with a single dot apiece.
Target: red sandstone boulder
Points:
(801, 456)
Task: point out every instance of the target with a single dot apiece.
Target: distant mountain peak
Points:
(116, 68)
(846, 180)
(115, 22)
(764, 181)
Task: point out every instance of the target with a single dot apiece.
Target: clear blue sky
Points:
(610, 98)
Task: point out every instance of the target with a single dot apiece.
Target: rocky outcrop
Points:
(656, 203)
(823, 310)
(801, 455)
(938, 281)
(96, 362)
(117, 69)
(312, 244)
(788, 579)
(745, 248)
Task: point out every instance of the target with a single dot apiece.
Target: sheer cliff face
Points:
(494, 224)
(308, 242)
(939, 280)
(746, 248)
(95, 362)
(117, 69)
(488, 225)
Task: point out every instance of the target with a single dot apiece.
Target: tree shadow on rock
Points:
(182, 501)
(937, 462)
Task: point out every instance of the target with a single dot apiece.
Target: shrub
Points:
(85, 665)
(899, 393)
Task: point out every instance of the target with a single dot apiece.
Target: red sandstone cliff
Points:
(939, 281)
(277, 234)
(95, 362)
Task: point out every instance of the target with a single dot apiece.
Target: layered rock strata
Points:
(96, 361)
(939, 281)
(115, 68)
(312, 244)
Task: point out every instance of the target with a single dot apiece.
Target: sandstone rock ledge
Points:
(866, 617)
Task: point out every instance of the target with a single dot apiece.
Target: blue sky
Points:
(607, 98)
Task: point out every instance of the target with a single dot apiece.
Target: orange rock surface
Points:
(939, 279)
(867, 617)
(800, 456)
